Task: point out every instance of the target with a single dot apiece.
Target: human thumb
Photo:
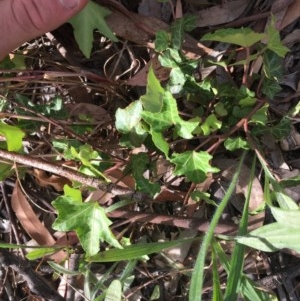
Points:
(23, 20)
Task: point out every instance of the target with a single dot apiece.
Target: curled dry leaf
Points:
(90, 110)
(30, 222)
(140, 79)
(55, 181)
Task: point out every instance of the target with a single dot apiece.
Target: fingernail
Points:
(70, 4)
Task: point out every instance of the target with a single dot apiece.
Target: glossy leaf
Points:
(87, 219)
(128, 122)
(193, 165)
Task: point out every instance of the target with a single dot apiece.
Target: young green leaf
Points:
(274, 42)
(272, 237)
(90, 159)
(236, 143)
(85, 22)
(128, 122)
(244, 37)
(152, 100)
(13, 137)
(185, 128)
(161, 121)
(210, 124)
(168, 117)
(87, 219)
(193, 165)
(114, 291)
(160, 142)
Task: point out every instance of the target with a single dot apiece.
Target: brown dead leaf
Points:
(116, 176)
(90, 110)
(292, 13)
(228, 168)
(221, 14)
(55, 181)
(141, 30)
(30, 222)
(140, 79)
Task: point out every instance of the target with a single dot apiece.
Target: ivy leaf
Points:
(179, 27)
(160, 142)
(164, 119)
(170, 58)
(90, 160)
(128, 122)
(87, 219)
(185, 128)
(282, 129)
(162, 40)
(270, 88)
(274, 41)
(210, 124)
(168, 117)
(244, 37)
(232, 144)
(13, 137)
(272, 65)
(193, 165)
(152, 100)
(138, 165)
(260, 116)
(85, 22)
(128, 118)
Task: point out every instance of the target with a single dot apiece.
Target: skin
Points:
(24, 20)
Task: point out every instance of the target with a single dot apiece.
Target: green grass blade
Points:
(217, 292)
(197, 276)
(237, 259)
(248, 287)
(135, 251)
